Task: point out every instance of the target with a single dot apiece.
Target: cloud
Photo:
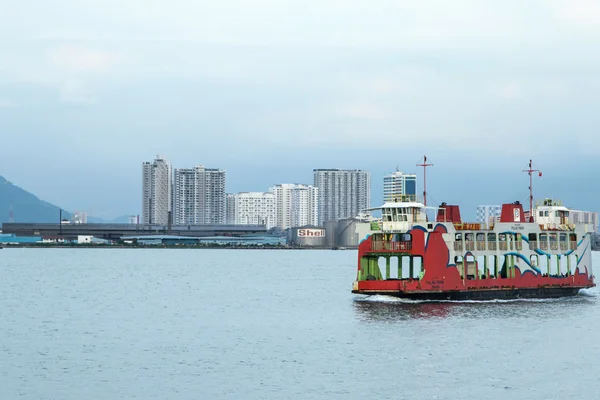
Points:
(7, 104)
(77, 59)
(366, 111)
(581, 13)
(507, 90)
(74, 92)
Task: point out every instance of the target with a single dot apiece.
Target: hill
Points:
(26, 206)
(124, 219)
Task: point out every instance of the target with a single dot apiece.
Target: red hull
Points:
(442, 279)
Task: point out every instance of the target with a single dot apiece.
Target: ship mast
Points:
(424, 165)
(530, 171)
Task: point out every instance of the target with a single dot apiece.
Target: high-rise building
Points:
(342, 193)
(199, 196)
(230, 208)
(295, 205)
(251, 208)
(156, 191)
(79, 217)
(399, 186)
(487, 214)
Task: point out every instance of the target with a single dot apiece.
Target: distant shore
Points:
(129, 246)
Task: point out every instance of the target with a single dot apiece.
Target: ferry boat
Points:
(539, 254)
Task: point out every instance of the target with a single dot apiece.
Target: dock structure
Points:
(116, 231)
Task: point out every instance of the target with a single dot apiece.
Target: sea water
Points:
(272, 324)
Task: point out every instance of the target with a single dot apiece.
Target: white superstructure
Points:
(585, 217)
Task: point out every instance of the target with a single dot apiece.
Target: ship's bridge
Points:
(551, 214)
(401, 216)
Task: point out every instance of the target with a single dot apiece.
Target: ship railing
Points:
(391, 246)
(480, 245)
(467, 226)
(553, 245)
(492, 246)
(543, 245)
(533, 245)
(469, 245)
(458, 246)
(564, 245)
(573, 245)
(503, 246)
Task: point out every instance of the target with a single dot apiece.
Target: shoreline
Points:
(195, 247)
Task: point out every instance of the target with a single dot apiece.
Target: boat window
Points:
(493, 265)
(469, 236)
(406, 237)
(545, 213)
(532, 237)
(534, 261)
(404, 263)
(573, 237)
(543, 237)
(417, 266)
(553, 237)
(502, 237)
(563, 237)
(543, 265)
(557, 214)
(480, 237)
(458, 260)
(491, 237)
(541, 213)
(471, 267)
(458, 237)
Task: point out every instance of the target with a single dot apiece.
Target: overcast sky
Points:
(270, 89)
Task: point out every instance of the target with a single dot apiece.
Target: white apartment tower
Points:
(296, 205)
(230, 208)
(399, 186)
(251, 208)
(156, 191)
(487, 214)
(199, 196)
(342, 193)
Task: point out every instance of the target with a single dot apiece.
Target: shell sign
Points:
(311, 232)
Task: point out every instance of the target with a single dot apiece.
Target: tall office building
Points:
(342, 193)
(487, 214)
(199, 196)
(399, 186)
(295, 205)
(251, 208)
(156, 191)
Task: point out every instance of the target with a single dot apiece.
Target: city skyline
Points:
(86, 93)
(467, 209)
